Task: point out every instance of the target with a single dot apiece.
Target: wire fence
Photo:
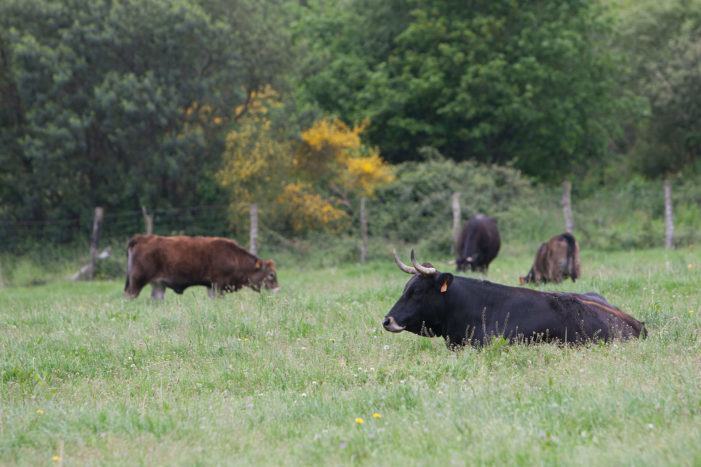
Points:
(625, 219)
(117, 226)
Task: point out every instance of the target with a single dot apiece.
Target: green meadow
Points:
(309, 377)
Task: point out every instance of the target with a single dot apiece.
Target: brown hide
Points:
(179, 262)
(555, 260)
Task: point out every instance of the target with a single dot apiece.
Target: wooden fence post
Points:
(363, 229)
(456, 217)
(253, 242)
(148, 220)
(668, 215)
(95, 240)
(567, 206)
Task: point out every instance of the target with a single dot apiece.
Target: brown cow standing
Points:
(180, 262)
(555, 260)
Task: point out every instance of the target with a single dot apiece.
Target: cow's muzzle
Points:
(391, 325)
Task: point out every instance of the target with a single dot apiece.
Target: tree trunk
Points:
(253, 242)
(363, 229)
(456, 218)
(95, 240)
(567, 206)
(148, 220)
(668, 217)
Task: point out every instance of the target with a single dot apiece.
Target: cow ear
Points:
(444, 280)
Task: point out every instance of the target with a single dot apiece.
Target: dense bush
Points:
(416, 208)
(631, 215)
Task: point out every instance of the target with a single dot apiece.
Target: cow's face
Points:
(266, 275)
(421, 307)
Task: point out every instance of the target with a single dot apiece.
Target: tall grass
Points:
(281, 379)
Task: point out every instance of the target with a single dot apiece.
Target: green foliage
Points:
(120, 104)
(40, 266)
(125, 104)
(662, 42)
(631, 215)
(491, 81)
(417, 206)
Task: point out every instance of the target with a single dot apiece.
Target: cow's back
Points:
(180, 259)
(480, 235)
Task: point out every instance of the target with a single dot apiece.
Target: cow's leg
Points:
(212, 291)
(158, 290)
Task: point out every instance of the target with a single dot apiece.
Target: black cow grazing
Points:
(469, 311)
(555, 260)
(478, 244)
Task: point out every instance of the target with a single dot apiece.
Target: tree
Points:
(123, 104)
(662, 41)
(483, 80)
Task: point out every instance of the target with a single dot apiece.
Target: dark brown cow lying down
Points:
(180, 262)
(555, 260)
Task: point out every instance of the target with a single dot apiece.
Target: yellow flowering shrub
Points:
(312, 184)
(368, 172)
(335, 150)
(308, 210)
(333, 134)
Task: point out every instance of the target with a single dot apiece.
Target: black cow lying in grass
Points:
(468, 311)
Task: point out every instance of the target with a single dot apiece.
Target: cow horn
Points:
(426, 271)
(402, 266)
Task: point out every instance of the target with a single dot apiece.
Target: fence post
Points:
(253, 242)
(456, 217)
(148, 220)
(567, 206)
(95, 240)
(668, 215)
(363, 229)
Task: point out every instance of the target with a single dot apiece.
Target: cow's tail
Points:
(572, 260)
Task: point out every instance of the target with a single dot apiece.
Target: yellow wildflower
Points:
(40, 411)
(359, 421)
(56, 458)
(376, 415)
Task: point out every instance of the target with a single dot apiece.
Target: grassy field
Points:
(89, 378)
